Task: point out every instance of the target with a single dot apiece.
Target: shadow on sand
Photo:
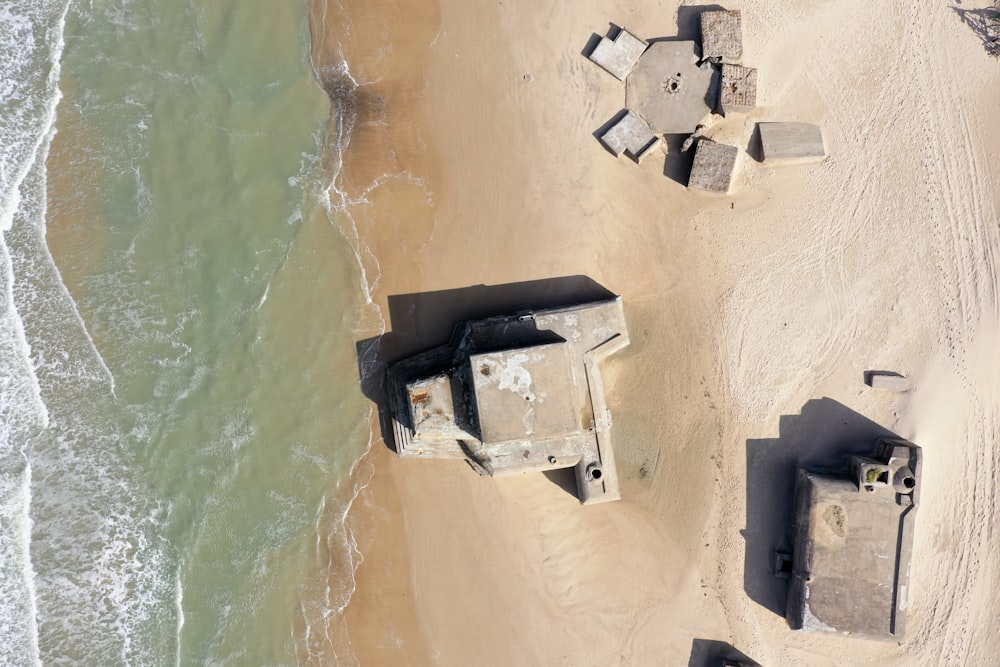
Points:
(823, 434)
(985, 23)
(677, 166)
(420, 321)
(711, 653)
(755, 148)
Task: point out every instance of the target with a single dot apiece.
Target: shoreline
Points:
(743, 311)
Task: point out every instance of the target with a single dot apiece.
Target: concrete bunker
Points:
(849, 567)
(514, 394)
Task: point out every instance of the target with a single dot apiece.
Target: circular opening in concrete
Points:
(672, 84)
(869, 487)
(909, 482)
(552, 459)
(596, 474)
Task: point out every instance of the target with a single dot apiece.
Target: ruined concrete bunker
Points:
(514, 394)
(849, 568)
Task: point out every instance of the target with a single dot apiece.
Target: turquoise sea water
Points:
(179, 409)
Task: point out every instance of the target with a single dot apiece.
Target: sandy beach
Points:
(752, 315)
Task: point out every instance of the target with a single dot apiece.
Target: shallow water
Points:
(180, 407)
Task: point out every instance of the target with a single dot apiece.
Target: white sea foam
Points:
(100, 570)
(80, 568)
(30, 47)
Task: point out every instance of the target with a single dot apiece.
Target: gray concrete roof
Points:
(668, 89)
(618, 56)
(853, 540)
(524, 393)
(791, 141)
(630, 135)
(514, 394)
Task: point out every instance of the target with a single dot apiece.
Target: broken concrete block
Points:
(713, 168)
(791, 141)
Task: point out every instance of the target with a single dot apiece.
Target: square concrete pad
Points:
(713, 166)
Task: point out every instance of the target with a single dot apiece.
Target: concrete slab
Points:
(713, 166)
(888, 381)
(738, 89)
(630, 135)
(791, 142)
(516, 394)
(668, 89)
(722, 36)
(618, 56)
(853, 540)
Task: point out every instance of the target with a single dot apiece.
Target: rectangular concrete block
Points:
(713, 168)
(791, 141)
(738, 90)
(722, 36)
(889, 381)
(618, 56)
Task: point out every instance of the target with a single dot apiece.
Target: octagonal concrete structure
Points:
(668, 89)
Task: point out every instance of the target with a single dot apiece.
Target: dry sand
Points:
(752, 317)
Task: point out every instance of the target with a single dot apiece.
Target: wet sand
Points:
(752, 318)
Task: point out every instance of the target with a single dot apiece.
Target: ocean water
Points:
(179, 405)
